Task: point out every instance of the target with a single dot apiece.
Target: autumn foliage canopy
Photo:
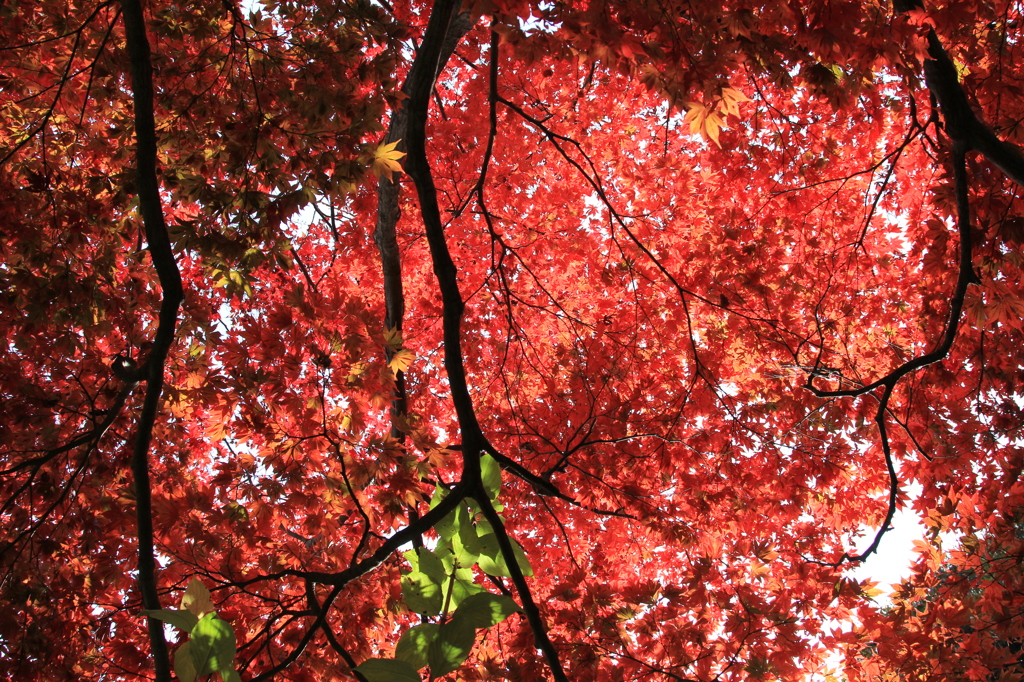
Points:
(510, 340)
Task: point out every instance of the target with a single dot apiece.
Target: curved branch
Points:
(965, 277)
(91, 437)
(473, 439)
(339, 580)
(389, 546)
(388, 211)
(418, 168)
(170, 282)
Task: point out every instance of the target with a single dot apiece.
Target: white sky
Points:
(891, 563)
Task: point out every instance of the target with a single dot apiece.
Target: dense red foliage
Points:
(720, 286)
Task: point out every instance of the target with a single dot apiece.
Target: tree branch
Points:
(170, 282)
(961, 121)
(533, 616)
(965, 277)
(418, 168)
(388, 211)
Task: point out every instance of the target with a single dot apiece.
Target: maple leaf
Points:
(401, 360)
(704, 121)
(385, 160)
(731, 99)
(393, 339)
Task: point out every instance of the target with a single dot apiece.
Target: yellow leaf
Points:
(704, 121)
(695, 115)
(868, 589)
(401, 360)
(385, 160)
(197, 599)
(393, 339)
(731, 98)
(712, 124)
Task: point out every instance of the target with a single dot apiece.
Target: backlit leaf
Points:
(485, 609)
(450, 646)
(422, 594)
(197, 599)
(213, 645)
(183, 620)
(385, 160)
(414, 645)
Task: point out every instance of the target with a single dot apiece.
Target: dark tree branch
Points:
(418, 168)
(473, 439)
(533, 616)
(170, 282)
(386, 549)
(960, 120)
(317, 607)
(388, 211)
(965, 277)
(542, 486)
(894, 488)
(318, 623)
(338, 581)
(90, 437)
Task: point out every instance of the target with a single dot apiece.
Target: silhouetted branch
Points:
(966, 276)
(388, 212)
(533, 616)
(170, 282)
(959, 118)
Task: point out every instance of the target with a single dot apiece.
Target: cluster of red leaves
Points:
(692, 214)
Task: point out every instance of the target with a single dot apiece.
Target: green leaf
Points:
(493, 563)
(415, 643)
(413, 558)
(388, 670)
(451, 646)
(484, 609)
(447, 557)
(213, 645)
(421, 594)
(183, 620)
(230, 676)
(439, 494)
(431, 565)
(483, 527)
(521, 558)
(184, 666)
(466, 543)
(490, 473)
(448, 526)
(465, 586)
